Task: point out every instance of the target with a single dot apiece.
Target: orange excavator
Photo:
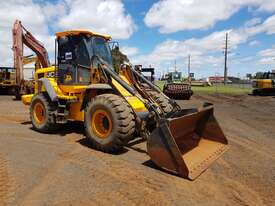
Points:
(22, 37)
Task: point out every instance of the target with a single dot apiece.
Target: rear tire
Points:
(162, 101)
(17, 94)
(257, 92)
(41, 114)
(109, 122)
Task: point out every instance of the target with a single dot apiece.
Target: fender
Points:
(49, 88)
(94, 87)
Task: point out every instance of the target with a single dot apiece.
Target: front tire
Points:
(162, 101)
(109, 122)
(41, 114)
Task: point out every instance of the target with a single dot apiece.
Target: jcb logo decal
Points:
(51, 74)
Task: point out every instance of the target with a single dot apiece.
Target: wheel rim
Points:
(39, 113)
(101, 123)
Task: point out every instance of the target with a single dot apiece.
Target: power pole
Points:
(189, 65)
(225, 58)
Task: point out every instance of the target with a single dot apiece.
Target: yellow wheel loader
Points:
(113, 107)
(7, 79)
(264, 84)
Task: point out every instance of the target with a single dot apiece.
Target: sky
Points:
(157, 33)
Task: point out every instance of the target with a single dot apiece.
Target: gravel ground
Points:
(61, 169)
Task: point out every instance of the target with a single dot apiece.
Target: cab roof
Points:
(82, 31)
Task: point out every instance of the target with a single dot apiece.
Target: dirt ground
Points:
(61, 169)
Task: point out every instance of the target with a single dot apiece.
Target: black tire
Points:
(11, 91)
(48, 124)
(255, 92)
(122, 119)
(17, 94)
(185, 96)
(162, 101)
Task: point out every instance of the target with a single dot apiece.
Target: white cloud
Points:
(129, 51)
(32, 17)
(269, 25)
(267, 56)
(254, 43)
(102, 16)
(267, 5)
(268, 52)
(253, 22)
(267, 61)
(42, 18)
(175, 15)
(205, 51)
(54, 11)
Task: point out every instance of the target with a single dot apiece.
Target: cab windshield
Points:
(268, 75)
(100, 47)
(75, 55)
(176, 76)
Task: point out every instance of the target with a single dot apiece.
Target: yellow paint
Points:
(68, 78)
(97, 123)
(39, 73)
(29, 59)
(76, 93)
(26, 99)
(134, 102)
(266, 83)
(121, 89)
(263, 83)
(45, 70)
(82, 31)
(39, 113)
(72, 89)
(75, 113)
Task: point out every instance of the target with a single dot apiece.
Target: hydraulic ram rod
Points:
(157, 89)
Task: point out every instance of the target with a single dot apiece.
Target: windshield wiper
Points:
(82, 66)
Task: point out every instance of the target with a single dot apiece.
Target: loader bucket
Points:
(188, 143)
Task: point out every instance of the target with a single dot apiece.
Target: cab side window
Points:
(82, 59)
(66, 70)
(72, 54)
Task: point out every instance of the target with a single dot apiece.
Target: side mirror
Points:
(114, 45)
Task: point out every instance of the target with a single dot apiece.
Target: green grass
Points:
(221, 89)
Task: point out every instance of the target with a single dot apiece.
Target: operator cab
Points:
(6, 73)
(269, 75)
(265, 75)
(76, 50)
(174, 77)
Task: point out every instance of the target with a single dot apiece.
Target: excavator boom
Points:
(21, 37)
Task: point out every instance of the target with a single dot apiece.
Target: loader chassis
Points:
(83, 86)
